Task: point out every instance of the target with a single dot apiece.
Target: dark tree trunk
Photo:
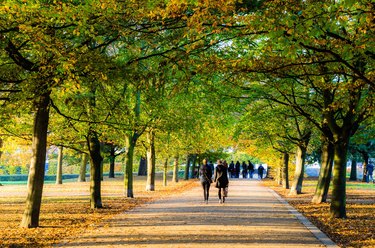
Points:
(59, 166)
(142, 169)
(131, 143)
(175, 169)
(300, 170)
(95, 170)
(338, 201)
(150, 184)
(187, 167)
(285, 170)
(35, 183)
(365, 157)
(165, 173)
(325, 174)
(353, 170)
(193, 167)
(112, 159)
(82, 169)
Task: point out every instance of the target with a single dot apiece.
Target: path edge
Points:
(322, 237)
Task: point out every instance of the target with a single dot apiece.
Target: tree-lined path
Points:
(252, 216)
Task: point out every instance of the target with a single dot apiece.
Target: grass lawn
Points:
(66, 212)
(358, 230)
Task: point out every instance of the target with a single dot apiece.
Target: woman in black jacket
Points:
(205, 175)
(221, 179)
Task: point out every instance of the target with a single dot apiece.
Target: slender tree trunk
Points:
(193, 167)
(353, 170)
(35, 182)
(112, 158)
(279, 180)
(300, 170)
(150, 185)
(187, 167)
(321, 190)
(95, 170)
(175, 169)
(59, 166)
(365, 157)
(165, 172)
(131, 143)
(82, 169)
(285, 170)
(142, 169)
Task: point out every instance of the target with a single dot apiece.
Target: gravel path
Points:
(252, 216)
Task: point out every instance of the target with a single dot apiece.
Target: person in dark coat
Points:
(237, 169)
(205, 175)
(221, 179)
(260, 171)
(244, 169)
(370, 171)
(251, 169)
(231, 169)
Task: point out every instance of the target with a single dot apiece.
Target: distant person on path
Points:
(231, 169)
(260, 172)
(237, 169)
(221, 179)
(251, 169)
(205, 175)
(370, 171)
(244, 169)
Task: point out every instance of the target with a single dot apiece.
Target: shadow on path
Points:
(252, 216)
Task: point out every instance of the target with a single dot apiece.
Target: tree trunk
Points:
(35, 182)
(193, 167)
(150, 185)
(59, 166)
(365, 157)
(279, 180)
(300, 170)
(112, 158)
(353, 170)
(338, 201)
(82, 169)
(128, 179)
(187, 167)
(142, 169)
(175, 169)
(165, 172)
(95, 170)
(325, 173)
(285, 170)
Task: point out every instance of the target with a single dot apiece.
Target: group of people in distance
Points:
(221, 175)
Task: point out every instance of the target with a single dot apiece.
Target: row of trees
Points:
(187, 77)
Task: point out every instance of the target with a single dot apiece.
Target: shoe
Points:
(220, 201)
(223, 199)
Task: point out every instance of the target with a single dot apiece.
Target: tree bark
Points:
(59, 166)
(175, 169)
(95, 170)
(142, 169)
(150, 184)
(35, 182)
(165, 173)
(338, 201)
(112, 159)
(193, 166)
(82, 169)
(300, 170)
(353, 170)
(187, 167)
(325, 173)
(128, 179)
(285, 170)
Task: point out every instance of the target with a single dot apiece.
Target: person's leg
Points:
(223, 194)
(219, 194)
(204, 190)
(208, 191)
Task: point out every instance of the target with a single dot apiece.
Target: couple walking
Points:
(220, 179)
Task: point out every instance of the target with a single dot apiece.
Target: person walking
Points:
(205, 175)
(221, 179)
(370, 171)
(260, 171)
(251, 169)
(237, 169)
(231, 169)
(244, 169)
